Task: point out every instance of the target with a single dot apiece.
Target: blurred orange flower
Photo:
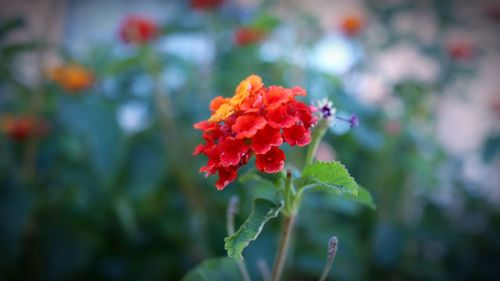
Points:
(351, 25)
(138, 30)
(248, 35)
(23, 127)
(72, 77)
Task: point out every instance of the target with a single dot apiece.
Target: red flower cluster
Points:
(248, 35)
(138, 30)
(206, 4)
(256, 120)
(24, 127)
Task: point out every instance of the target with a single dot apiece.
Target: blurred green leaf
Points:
(121, 65)
(263, 211)
(491, 148)
(255, 175)
(126, 216)
(10, 25)
(11, 50)
(220, 269)
(266, 22)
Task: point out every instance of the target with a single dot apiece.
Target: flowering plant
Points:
(258, 121)
(138, 30)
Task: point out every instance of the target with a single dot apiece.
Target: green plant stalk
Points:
(292, 202)
(279, 262)
(317, 134)
(37, 99)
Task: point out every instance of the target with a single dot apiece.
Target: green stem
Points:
(279, 262)
(317, 134)
(290, 213)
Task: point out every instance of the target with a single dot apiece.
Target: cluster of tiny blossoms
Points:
(255, 121)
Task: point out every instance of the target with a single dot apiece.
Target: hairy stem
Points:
(317, 134)
(279, 262)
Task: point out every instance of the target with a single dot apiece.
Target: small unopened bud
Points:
(332, 247)
(332, 251)
(354, 121)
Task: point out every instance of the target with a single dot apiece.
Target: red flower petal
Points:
(226, 176)
(217, 102)
(276, 96)
(199, 149)
(304, 113)
(265, 139)
(299, 91)
(280, 117)
(271, 162)
(297, 135)
(203, 125)
(246, 126)
(252, 104)
(232, 151)
(213, 153)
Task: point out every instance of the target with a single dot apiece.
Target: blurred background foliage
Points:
(97, 181)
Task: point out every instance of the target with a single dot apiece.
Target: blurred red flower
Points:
(393, 127)
(244, 36)
(256, 120)
(206, 4)
(138, 30)
(461, 50)
(493, 12)
(351, 25)
(23, 127)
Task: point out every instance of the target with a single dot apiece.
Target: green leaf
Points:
(220, 269)
(263, 211)
(364, 197)
(331, 177)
